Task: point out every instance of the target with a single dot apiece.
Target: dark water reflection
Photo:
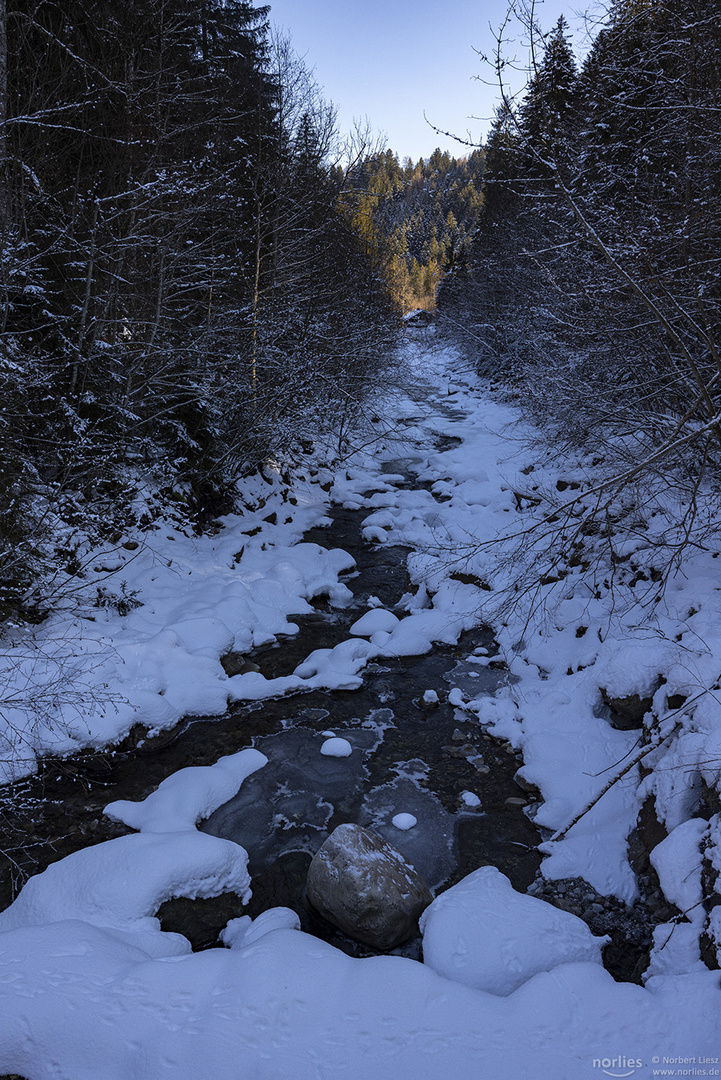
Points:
(407, 756)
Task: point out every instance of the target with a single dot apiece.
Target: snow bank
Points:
(79, 1001)
(484, 934)
(567, 648)
(677, 861)
(89, 986)
(121, 883)
(88, 673)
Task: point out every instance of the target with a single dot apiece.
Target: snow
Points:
(188, 795)
(336, 747)
(91, 988)
(80, 1001)
(677, 861)
(121, 883)
(374, 620)
(242, 932)
(335, 669)
(484, 934)
(404, 821)
(89, 673)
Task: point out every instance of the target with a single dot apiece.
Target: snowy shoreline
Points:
(82, 938)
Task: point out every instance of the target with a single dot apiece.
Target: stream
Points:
(412, 752)
(410, 755)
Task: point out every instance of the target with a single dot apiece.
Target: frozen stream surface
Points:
(409, 755)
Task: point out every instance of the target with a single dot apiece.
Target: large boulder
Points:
(362, 885)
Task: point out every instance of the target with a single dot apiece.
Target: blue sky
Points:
(390, 60)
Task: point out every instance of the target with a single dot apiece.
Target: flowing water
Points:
(408, 755)
(411, 753)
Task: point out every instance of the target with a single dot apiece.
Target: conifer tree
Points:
(548, 99)
(596, 288)
(169, 238)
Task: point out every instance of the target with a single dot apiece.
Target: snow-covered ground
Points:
(511, 987)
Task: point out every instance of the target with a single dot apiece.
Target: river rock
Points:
(362, 885)
(236, 663)
(627, 713)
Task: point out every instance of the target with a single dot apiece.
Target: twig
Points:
(561, 833)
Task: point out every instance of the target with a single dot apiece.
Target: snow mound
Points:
(337, 668)
(484, 934)
(121, 883)
(244, 931)
(336, 747)
(79, 1003)
(374, 620)
(404, 821)
(189, 795)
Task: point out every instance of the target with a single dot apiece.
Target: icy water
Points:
(411, 752)
(408, 756)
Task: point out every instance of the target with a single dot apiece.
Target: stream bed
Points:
(409, 756)
(411, 752)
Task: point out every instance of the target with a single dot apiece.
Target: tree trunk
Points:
(4, 166)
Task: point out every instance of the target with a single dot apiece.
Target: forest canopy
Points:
(197, 275)
(181, 294)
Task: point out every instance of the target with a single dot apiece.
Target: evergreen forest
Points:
(183, 295)
(588, 284)
(417, 221)
(197, 276)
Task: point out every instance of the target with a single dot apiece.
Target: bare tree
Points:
(601, 302)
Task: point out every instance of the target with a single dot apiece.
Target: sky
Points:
(394, 60)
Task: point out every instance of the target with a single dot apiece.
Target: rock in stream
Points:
(362, 885)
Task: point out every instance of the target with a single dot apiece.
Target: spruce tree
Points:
(548, 99)
(160, 216)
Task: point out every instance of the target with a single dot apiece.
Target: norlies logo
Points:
(618, 1066)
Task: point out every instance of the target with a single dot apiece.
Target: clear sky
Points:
(391, 60)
